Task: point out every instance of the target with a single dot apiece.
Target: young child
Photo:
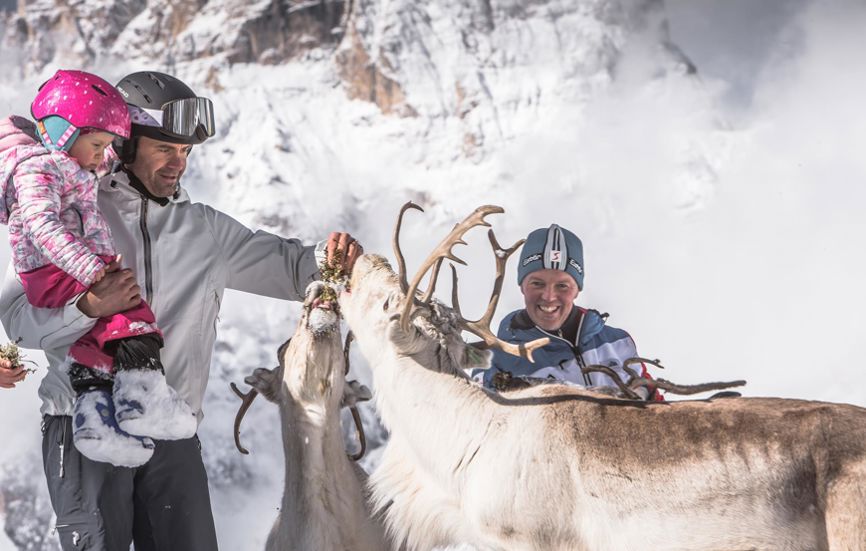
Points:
(61, 246)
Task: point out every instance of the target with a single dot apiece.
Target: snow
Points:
(721, 214)
(323, 321)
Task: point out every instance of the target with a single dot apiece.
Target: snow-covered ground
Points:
(722, 216)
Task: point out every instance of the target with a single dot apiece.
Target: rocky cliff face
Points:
(165, 32)
(450, 56)
(490, 64)
(487, 65)
(438, 59)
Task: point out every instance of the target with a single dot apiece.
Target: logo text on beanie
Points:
(575, 265)
(532, 258)
(555, 256)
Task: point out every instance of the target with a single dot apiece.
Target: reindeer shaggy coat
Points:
(557, 468)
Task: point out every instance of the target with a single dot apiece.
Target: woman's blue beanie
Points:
(552, 248)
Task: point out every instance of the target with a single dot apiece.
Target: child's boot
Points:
(144, 403)
(95, 432)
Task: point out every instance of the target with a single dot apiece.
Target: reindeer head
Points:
(312, 360)
(384, 307)
(313, 364)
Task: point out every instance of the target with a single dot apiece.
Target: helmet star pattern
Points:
(83, 100)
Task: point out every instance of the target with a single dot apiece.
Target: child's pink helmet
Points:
(84, 101)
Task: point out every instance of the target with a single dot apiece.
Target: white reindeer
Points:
(324, 505)
(558, 468)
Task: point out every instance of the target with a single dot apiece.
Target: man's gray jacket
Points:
(184, 256)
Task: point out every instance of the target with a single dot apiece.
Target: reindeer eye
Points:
(386, 304)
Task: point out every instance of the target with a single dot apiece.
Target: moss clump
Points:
(334, 272)
(11, 352)
(328, 294)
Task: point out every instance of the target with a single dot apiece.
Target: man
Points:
(550, 275)
(181, 256)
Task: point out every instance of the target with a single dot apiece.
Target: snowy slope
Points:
(720, 213)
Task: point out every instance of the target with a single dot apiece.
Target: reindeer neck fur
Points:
(414, 400)
(439, 420)
(420, 387)
(323, 507)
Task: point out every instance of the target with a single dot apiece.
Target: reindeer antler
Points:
(359, 429)
(625, 388)
(356, 416)
(637, 381)
(246, 402)
(401, 262)
(346, 347)
(443, 250)
(481, 327)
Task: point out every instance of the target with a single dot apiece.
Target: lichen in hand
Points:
(10, 351)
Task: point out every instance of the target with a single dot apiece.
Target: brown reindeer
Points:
(558, 468)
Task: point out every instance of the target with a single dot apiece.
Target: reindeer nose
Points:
(323, 304)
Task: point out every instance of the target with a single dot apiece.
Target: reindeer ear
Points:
(410, 341)
(282, 350)
(354, 393)
(266, 382)
(475, 358)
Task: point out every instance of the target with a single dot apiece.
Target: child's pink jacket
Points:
(49, 203)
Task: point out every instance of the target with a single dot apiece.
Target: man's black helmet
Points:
(164, 108)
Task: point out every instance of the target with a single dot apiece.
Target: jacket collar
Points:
(588, 322)
(118, 181)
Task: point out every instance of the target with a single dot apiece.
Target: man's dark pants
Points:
(164, 505)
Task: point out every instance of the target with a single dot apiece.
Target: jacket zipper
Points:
(145, 236)
(587, 381)
(586, 378)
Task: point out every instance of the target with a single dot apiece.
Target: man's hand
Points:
(116, 292)
(342, 252)
(8, 376)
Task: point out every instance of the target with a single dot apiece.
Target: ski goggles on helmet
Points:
(182, 118)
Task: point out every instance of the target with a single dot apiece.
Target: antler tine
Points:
(481, 327)
(433, 277)
(455, 300)
(246, 402)
(502, 256)
(614, 376)
(346, 346)
(685, 390)
(401, 262)
(639, 360)
(359, 430)
(443, 250)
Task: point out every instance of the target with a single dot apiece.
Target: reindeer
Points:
(553, 467)
(324, 505)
